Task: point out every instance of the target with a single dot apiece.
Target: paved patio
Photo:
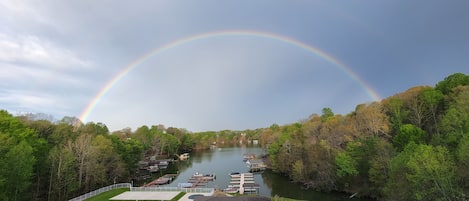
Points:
(156, 195)
(149, 195)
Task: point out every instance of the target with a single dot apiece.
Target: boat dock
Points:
(198, 180)
(256, 165)
(243, 183)
(165, 179)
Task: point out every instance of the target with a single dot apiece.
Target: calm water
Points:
(223, 161)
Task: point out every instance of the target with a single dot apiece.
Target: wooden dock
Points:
(165, 179)
(244, 182)
(199, 180)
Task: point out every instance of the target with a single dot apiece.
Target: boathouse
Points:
(256, 165)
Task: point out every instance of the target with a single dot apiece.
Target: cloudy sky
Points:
(212, 65)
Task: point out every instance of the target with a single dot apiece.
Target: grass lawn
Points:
(107, 195)
(277, 198)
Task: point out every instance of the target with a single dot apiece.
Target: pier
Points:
(243, 183)
(198, 180)
(165, 179)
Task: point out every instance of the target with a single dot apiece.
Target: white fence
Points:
(167, 188)
(129, 185)
(101, 190)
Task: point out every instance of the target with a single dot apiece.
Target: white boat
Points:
(231, 190)
(198, 175)
(184, 185)
(184, 156)
(153, 168)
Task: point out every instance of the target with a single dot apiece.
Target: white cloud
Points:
(33, 50)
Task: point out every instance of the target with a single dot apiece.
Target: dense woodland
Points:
(413, 145)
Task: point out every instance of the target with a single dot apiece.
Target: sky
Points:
(211, 65)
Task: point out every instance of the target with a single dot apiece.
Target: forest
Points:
(413, 145)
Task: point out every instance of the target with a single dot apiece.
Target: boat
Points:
(153, 168)
(248, 156)
(231, 190)
(201, 176)
(184, 156)
(197, 175)
(185, 185)
(163, 164)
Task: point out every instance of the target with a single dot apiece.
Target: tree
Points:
(431, 173)
(63, 177)
(81, 148)
(371, 120)
(345, 165)
(413, 103)
(104, 164)
(130, 151)
(455, 122)
(380, 166)
(17, 157)
(396, 113)
(462, 158)
(432, 100)
(298, 171)
(19, 161)
(422, 172)
(326, 114)
(452, 81)
(408, 133)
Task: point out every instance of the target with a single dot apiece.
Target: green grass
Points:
(108, 195)
(277, 198)
(178, 196)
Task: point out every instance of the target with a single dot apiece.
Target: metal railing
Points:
(101, 190)
(167, 188)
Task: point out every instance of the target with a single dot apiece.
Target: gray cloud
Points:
(55, 56)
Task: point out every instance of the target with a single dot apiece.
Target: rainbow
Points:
(108, 86)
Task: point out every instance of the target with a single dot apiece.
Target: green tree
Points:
(431, 173)
(326, 114)
(380, 166)
(455, 122)
(452, 81)
(462, 158)
(19, 161)
(396, 113)
(433, 100)
(298, 171)
(17, 157)
(408, 133)
(422, 172)
(345, 165)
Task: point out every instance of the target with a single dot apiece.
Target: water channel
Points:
(223, 161)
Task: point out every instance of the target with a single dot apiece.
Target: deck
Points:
(165, 179)
(244, 183)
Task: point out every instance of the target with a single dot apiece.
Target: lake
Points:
(223, 161)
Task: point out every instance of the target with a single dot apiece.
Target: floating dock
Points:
(198, 180)
(166, 179)
(242, 183)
